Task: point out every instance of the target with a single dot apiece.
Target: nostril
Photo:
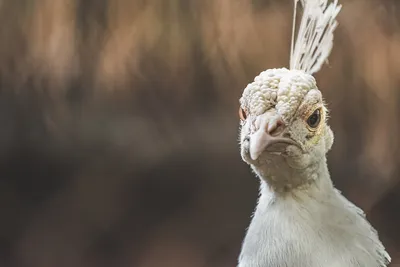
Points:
(275, 128)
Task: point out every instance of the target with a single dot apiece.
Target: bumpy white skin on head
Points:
(301, 220)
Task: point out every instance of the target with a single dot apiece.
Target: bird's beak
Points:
(269, 138)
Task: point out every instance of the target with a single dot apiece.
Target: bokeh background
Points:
(119, 126)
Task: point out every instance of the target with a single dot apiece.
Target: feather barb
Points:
(314, 40)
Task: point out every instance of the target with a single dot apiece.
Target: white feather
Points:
(315, 36)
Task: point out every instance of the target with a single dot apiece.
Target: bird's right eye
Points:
(242, 114)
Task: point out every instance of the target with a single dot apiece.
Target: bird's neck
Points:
(312, 181)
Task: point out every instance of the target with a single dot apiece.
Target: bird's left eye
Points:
(314, 119)
(242, 114)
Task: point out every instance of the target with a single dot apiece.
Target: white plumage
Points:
(301, 220)
(315, 38)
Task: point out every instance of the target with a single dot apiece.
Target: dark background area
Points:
(119, 126)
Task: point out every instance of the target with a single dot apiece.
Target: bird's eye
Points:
(242, 114)
(314, 119)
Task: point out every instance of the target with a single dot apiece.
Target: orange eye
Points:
(242, 114)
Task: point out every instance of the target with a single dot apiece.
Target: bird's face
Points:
(283, 123)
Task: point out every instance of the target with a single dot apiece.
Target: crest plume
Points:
(315, 36)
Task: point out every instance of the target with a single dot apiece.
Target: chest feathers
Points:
(314, 229)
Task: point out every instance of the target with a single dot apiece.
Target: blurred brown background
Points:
(119, 125)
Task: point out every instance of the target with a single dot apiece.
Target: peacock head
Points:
(283, 122)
